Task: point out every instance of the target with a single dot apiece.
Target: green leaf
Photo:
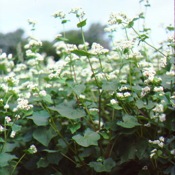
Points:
(74, 127)
(5, 158)
(64, 21)
(105, 166)
(81, 24)
(40, 118)
(47, 99)
(150, 105)
(79, 88)
(2, 140)
(128, 121)
(109, 85)
(140, 104)
(42, 163)
(61, 39)
(44, 135)
(130, 24)
(89, 138)
(81, 53)
(16, 127)
(68, 110)
(5, 171)
(54, 158)
(9, 147)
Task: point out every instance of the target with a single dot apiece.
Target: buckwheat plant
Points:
(95, 110)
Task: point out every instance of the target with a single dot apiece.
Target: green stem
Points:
(18, 163)
(82, 34)
(99, 111)
(93, 72)
(149, 44)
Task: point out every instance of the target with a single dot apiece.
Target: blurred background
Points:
(14, 15)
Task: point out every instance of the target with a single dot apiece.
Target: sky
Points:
(14, 14)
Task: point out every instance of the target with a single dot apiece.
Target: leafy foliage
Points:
(92, 111)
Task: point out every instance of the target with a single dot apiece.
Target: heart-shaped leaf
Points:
(128, 121)
(5, 158)
(40, 118)
(68, 110)
(44, 135)
(105, 166)
(90, 138)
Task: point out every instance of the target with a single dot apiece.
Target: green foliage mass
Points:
(93, 111)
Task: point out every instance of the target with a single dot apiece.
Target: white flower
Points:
(6, 106)
(127, 94)
(13, 133)
(17, 117)
(97, 123)
(172, 151)
(7, 119)
(23, 104)
(145, 90)
(162, 117)
(158, 89)
(153, 153)
(43, 93)
(123, 88)
(158, 108)
(78, 11)
(1, 128)
(32, 149)
(161, 138)
(98, 49)
(10, 56)
(171, 73)
(161, 144)
(82, 96)
(94, 110)
(59, 14)
(120, 95)
(113, 101)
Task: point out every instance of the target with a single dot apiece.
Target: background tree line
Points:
(14, 42)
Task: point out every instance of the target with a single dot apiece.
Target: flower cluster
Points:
(122, 94)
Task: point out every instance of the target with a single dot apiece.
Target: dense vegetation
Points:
(92, 111)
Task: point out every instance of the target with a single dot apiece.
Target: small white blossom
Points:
(145, 168)
(43, 93)
(12, 134)
(79, 12)
(120, 95)
(113, 101)
(153, 153)
(158, 89)
(158, 108)
(161, 138)
(1, 128)
(82, 96)
(162, 117)
(17, 117)
(123, 88)
(59, 14)
(172, 151)
(94, 110)
(145, 90)
(98, 49)
(23, 104)
(6, 106)
(7, 119)
(32, 149)
(127, 94)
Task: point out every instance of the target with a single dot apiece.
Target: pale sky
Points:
(15, 13)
